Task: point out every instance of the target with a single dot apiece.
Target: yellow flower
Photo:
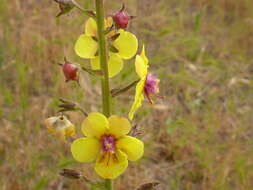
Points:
(126, 45)
(148, 84)
(141, 67)
(107, 143)
(60, 126)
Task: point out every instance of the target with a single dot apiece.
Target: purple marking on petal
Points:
(151, 85)
(108, 143)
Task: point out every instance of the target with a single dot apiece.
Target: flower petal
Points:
(119, 126)
(108, 22)
(111, 165)
(115, 64)
(91, 27)
(95, 125)
(70, 132)
(85, 149)
(127, 44)
(95, 63)
(138, 97)
(143, 55)
(140, 67)
(133, 147)
(49, 122)
(86, 47)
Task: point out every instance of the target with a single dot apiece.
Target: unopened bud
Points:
(121, 18)
(69, 173)
(70, 71)
(148, 186)
(65, 6)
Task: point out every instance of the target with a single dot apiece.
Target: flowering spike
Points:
(121, 18)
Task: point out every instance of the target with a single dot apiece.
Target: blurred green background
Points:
(198, 137)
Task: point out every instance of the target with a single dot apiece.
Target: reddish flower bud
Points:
(70, 71)
(121, 18)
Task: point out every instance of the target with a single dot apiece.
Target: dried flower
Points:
(107, 142)
(60, 126)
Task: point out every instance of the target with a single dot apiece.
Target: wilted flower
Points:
(121, 18)
(125, 46)
(147, 85)
(60, 126)
(65, 6)
(107, 142)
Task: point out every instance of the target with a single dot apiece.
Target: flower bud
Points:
(148, 186)
(72, 174)
(121, 18)
(65, 6)
(70, 71)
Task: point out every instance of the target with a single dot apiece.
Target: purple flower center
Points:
(108, 143)
(151, 85)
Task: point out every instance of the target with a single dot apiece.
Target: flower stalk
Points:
(103, 58)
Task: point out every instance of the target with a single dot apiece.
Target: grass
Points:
(198, 137)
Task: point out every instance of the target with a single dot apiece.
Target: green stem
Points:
(103, 58)
(108, 184)
(104, 67)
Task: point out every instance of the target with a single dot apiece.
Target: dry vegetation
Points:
(198, 138)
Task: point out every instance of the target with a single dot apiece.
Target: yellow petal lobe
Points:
(143, 55)
(119, 126)
(133, 147)
(95, 63)
(86, 47)
(111, 165)
(70, 131)
(91, 27)
(108, 22)
(127, 44)
(95, 125)
(140, 67)
(85, 149)
(115, 64)
(139, 97)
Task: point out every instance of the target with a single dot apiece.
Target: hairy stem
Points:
(104, 67)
